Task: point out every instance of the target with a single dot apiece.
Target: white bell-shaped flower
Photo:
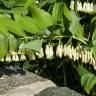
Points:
(16, 57)
(8, 59)
(2, 59)
(59, 51)
(91, 7)
(49, 52)
(88, 7)
(69, 51)
(13, 56)
(79, 6)
(65, 50)
(74, 55)
(84, 6)
(85, 57)
(72, 5)
(72, 52)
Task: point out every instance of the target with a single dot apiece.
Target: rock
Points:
(58, 91)
(19, 82)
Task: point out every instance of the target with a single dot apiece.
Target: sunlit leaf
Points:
(42, 18)
(18, 10)
(27, 4)
(12, 43)
(3, 30)
(27, 23)
(94, 51)
(56, 12)
(93, 29)
(12, 26)
(3, 46)
(8, 3)
(67, 13)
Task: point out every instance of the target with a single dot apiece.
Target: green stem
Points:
(64, 76)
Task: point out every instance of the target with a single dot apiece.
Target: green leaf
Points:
(74, 25)
(67, 13)
(3, 30)
(18, 10)
(94, 51)
(34, 45)
(20, 3)
(41, 18)
(56, 12)
(12, 43)
(3, 46)
(8, 3)
(88, 81)
(94, 37)
(12, 26)
(76, 28)
(93, 30)
(27, 23)
(81, 70)
(27, 4)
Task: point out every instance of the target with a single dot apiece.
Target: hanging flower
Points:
(72, 5)
(79, 6)
(59, 51)
(88, 7)
(49, 52)
(69, 51)
(8, 59)
(91, 7)
(65, 50)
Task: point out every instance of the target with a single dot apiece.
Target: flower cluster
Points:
(85, 7)
(69, 51)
